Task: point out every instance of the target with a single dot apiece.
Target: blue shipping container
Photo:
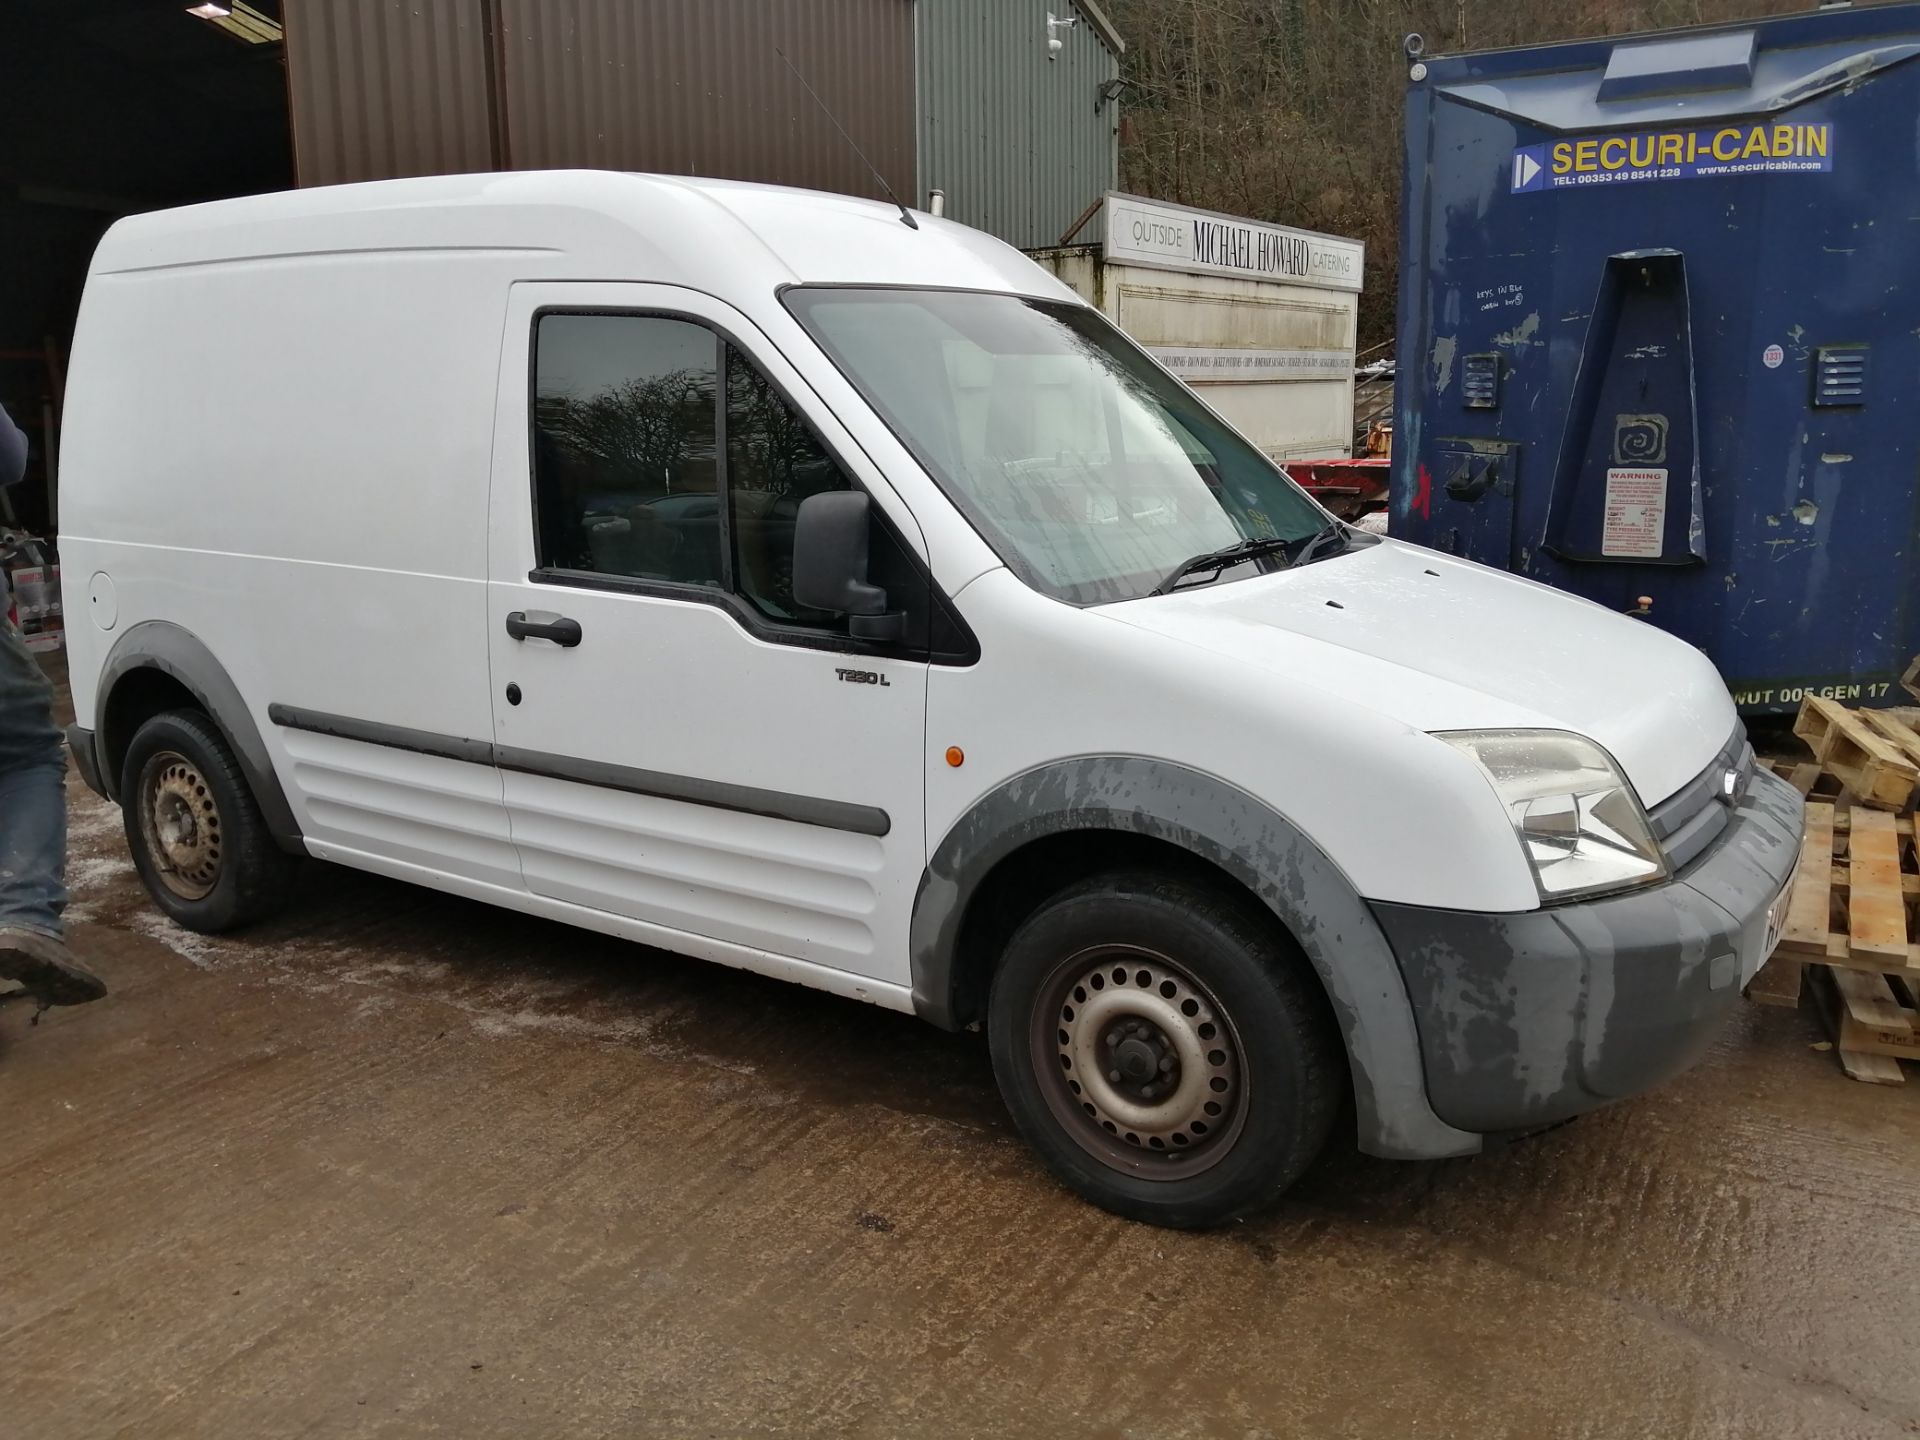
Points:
(1660, 335)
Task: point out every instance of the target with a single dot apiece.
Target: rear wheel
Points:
(1164, 1048)
(198, 838)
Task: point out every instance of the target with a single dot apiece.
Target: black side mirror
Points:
(831, 538)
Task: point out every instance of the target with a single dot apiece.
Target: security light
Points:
(239, 20)
(1054, 43)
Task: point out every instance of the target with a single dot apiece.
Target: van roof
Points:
(716, 235)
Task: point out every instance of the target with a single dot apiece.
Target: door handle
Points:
(560, 630)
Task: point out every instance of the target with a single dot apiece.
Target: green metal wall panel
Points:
(1020, 143)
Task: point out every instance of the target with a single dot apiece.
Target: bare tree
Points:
(1290, 110)
(767, 442)
(640, 432)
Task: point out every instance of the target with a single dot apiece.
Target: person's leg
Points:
(33, 834)
(33, 801)
(33, 847)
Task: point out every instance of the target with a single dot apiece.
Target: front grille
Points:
(1690, 819)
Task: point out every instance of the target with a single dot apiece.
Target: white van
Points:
(780, 579)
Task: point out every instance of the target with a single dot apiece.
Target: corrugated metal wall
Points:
(1020, 144)
(381, 88)
(692, 87)
(696, 87)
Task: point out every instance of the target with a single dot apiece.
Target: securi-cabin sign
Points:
(1743, 149)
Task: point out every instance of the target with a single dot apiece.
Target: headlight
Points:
(1577, 817)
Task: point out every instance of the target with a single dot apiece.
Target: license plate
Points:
(1776, 922)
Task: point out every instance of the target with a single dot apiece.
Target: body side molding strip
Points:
(691, 790)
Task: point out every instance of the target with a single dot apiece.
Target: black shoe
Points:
(47, 969)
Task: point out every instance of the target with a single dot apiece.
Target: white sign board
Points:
(1636, 518)
(1174, 237)
(1201, 363)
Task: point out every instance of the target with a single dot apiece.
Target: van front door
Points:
(689, 757)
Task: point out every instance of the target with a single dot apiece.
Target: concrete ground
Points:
(405, 1165)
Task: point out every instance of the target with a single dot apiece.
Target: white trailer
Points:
(1260, 318)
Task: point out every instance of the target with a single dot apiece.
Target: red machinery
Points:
(1350, 488)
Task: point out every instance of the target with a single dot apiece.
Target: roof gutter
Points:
(1097, 18)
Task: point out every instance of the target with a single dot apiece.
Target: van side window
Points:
(662, 453)
(625, 455)
(773, 463)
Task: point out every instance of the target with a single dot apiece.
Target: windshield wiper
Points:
(1320, 542)
(1218, 560)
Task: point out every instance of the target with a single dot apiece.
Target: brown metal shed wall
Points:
(694, 87)
(381, 88)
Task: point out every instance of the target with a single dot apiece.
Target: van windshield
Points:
(1091, 471)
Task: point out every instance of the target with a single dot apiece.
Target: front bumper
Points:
(1526, 1019)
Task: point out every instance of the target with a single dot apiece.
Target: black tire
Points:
(197, 836)
(1222, 992)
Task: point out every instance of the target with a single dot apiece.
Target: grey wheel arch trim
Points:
(179, 653)
(1249, 840)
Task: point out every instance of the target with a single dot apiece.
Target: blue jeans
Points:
(33, 794)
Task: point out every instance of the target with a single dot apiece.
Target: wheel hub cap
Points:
(183, 826)
(1144, 1054)
(1138, 1060)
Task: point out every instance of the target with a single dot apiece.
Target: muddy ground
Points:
(401, 1164)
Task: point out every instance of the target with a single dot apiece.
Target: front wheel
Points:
(1165, 1049)
(198, 838)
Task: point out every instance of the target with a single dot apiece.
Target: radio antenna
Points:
(906, 215)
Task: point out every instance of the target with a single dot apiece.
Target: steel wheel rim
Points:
(180, 823)
(1180, 1097)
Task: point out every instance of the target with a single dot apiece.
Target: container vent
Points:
(1840, 375)
(1480, 382)
(1680, 66)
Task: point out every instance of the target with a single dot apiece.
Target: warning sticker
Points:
(1690, 154)
(1636, 513)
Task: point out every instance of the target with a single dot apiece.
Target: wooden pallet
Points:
(1873, 754)
(1896, 727)
(1854, 919)
(1810, 780)
(1874, 1026)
